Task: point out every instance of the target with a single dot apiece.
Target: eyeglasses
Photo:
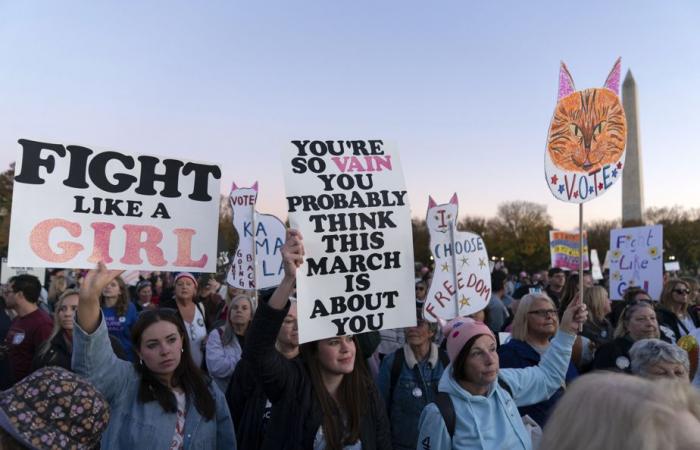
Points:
(544, 313)
(682, 291)
(420, 288)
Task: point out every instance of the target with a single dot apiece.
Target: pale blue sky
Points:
(466, 89)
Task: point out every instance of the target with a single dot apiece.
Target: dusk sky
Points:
(465, 89)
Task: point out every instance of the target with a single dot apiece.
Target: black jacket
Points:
(59, 354)
(670, 320)
(297, 415)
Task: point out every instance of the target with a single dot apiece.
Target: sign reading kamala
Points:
(349, 201)
(257, 263)
(636, 259)
(73, 206)
(564, 250)
(462, 280)
(586, 143)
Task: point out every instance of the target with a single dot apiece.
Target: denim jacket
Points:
(407, 402)
(134, 425)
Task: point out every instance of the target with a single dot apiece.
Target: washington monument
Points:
(632, 180)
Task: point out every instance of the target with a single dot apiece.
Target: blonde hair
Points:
(519, 329)
(626, 315)
(595, 299)
(56, 321)
(599, 410)
(667, 293)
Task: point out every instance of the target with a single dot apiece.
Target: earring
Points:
(141, 361)
(182, 350)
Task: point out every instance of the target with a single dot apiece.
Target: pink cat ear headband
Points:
(566, 81)
(459, 331)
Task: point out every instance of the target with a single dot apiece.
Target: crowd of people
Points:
(178, 361)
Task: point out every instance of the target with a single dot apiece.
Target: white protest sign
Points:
(673, 266)
(257, 263)
(462, 279)
(73, 206)
(7, 272)
(348, 199)
(636, 259)
(596, 272)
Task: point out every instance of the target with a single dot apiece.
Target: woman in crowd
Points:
(144, 296)
(225, 344)
(58, 348)
(622, 412)
(675, 318)
(325, 400)
(631, 295)
(408, 381)
(162, 401)
(119, 313)
(534, 325)
(637, 321)
(654, 358)
(191, 312)
(250, 408)
(479, 409)
(597, 330)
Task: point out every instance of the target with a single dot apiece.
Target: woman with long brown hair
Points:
(327, 399)
(675, 318)
(162, 401)
(119, 313)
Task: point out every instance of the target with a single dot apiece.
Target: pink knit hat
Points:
(459, 330)
(186, 275)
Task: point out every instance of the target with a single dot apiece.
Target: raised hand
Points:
(292, 253)
(575, 316)
(90, 290)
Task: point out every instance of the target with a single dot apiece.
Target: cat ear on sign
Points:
(431, 202)
(454, 200)
(255, 186)
(566, 82)
(233, 186)
(612, 82)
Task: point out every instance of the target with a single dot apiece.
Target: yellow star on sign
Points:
(464, 301)
(465, 261)
(482, 263)
(445, 267)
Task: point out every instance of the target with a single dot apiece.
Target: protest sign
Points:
(73, 206)
(596, 271)
(462, 278)
(564, 250)
(7, 272)
(257, 262)
(673, 266)
(585, 150)
(348, 199)
(636, 259)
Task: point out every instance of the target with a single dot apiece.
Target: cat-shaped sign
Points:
(585, 151)
(461, 282)
(263, 268)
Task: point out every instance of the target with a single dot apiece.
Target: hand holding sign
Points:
(292, 253)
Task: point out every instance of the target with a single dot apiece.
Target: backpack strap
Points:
(447, 410)
(505, 386)
(399, 359)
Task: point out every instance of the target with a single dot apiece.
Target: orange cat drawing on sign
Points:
(587, 137)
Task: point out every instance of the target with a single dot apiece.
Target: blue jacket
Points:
(134, 425)
(404, 407)
(492, 421)
(517, 354)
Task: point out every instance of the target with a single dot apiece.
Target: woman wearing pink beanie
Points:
(481, 406)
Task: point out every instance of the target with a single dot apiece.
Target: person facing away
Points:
(327, 400)
(162, 401)
(29, 330)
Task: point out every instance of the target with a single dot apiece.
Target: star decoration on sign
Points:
(464, 301)
(619, 164)
(482, 263)
(614, 173)
(445, 267)
(600, 186)
(465, 261)
(575, 194)
(590, 190)
(555, 180)
(561, 188)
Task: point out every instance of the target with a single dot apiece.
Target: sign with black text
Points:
(348, 198)
(73, 206)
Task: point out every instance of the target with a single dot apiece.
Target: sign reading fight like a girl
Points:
(73, 206)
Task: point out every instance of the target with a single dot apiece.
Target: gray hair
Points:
(646, 353)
